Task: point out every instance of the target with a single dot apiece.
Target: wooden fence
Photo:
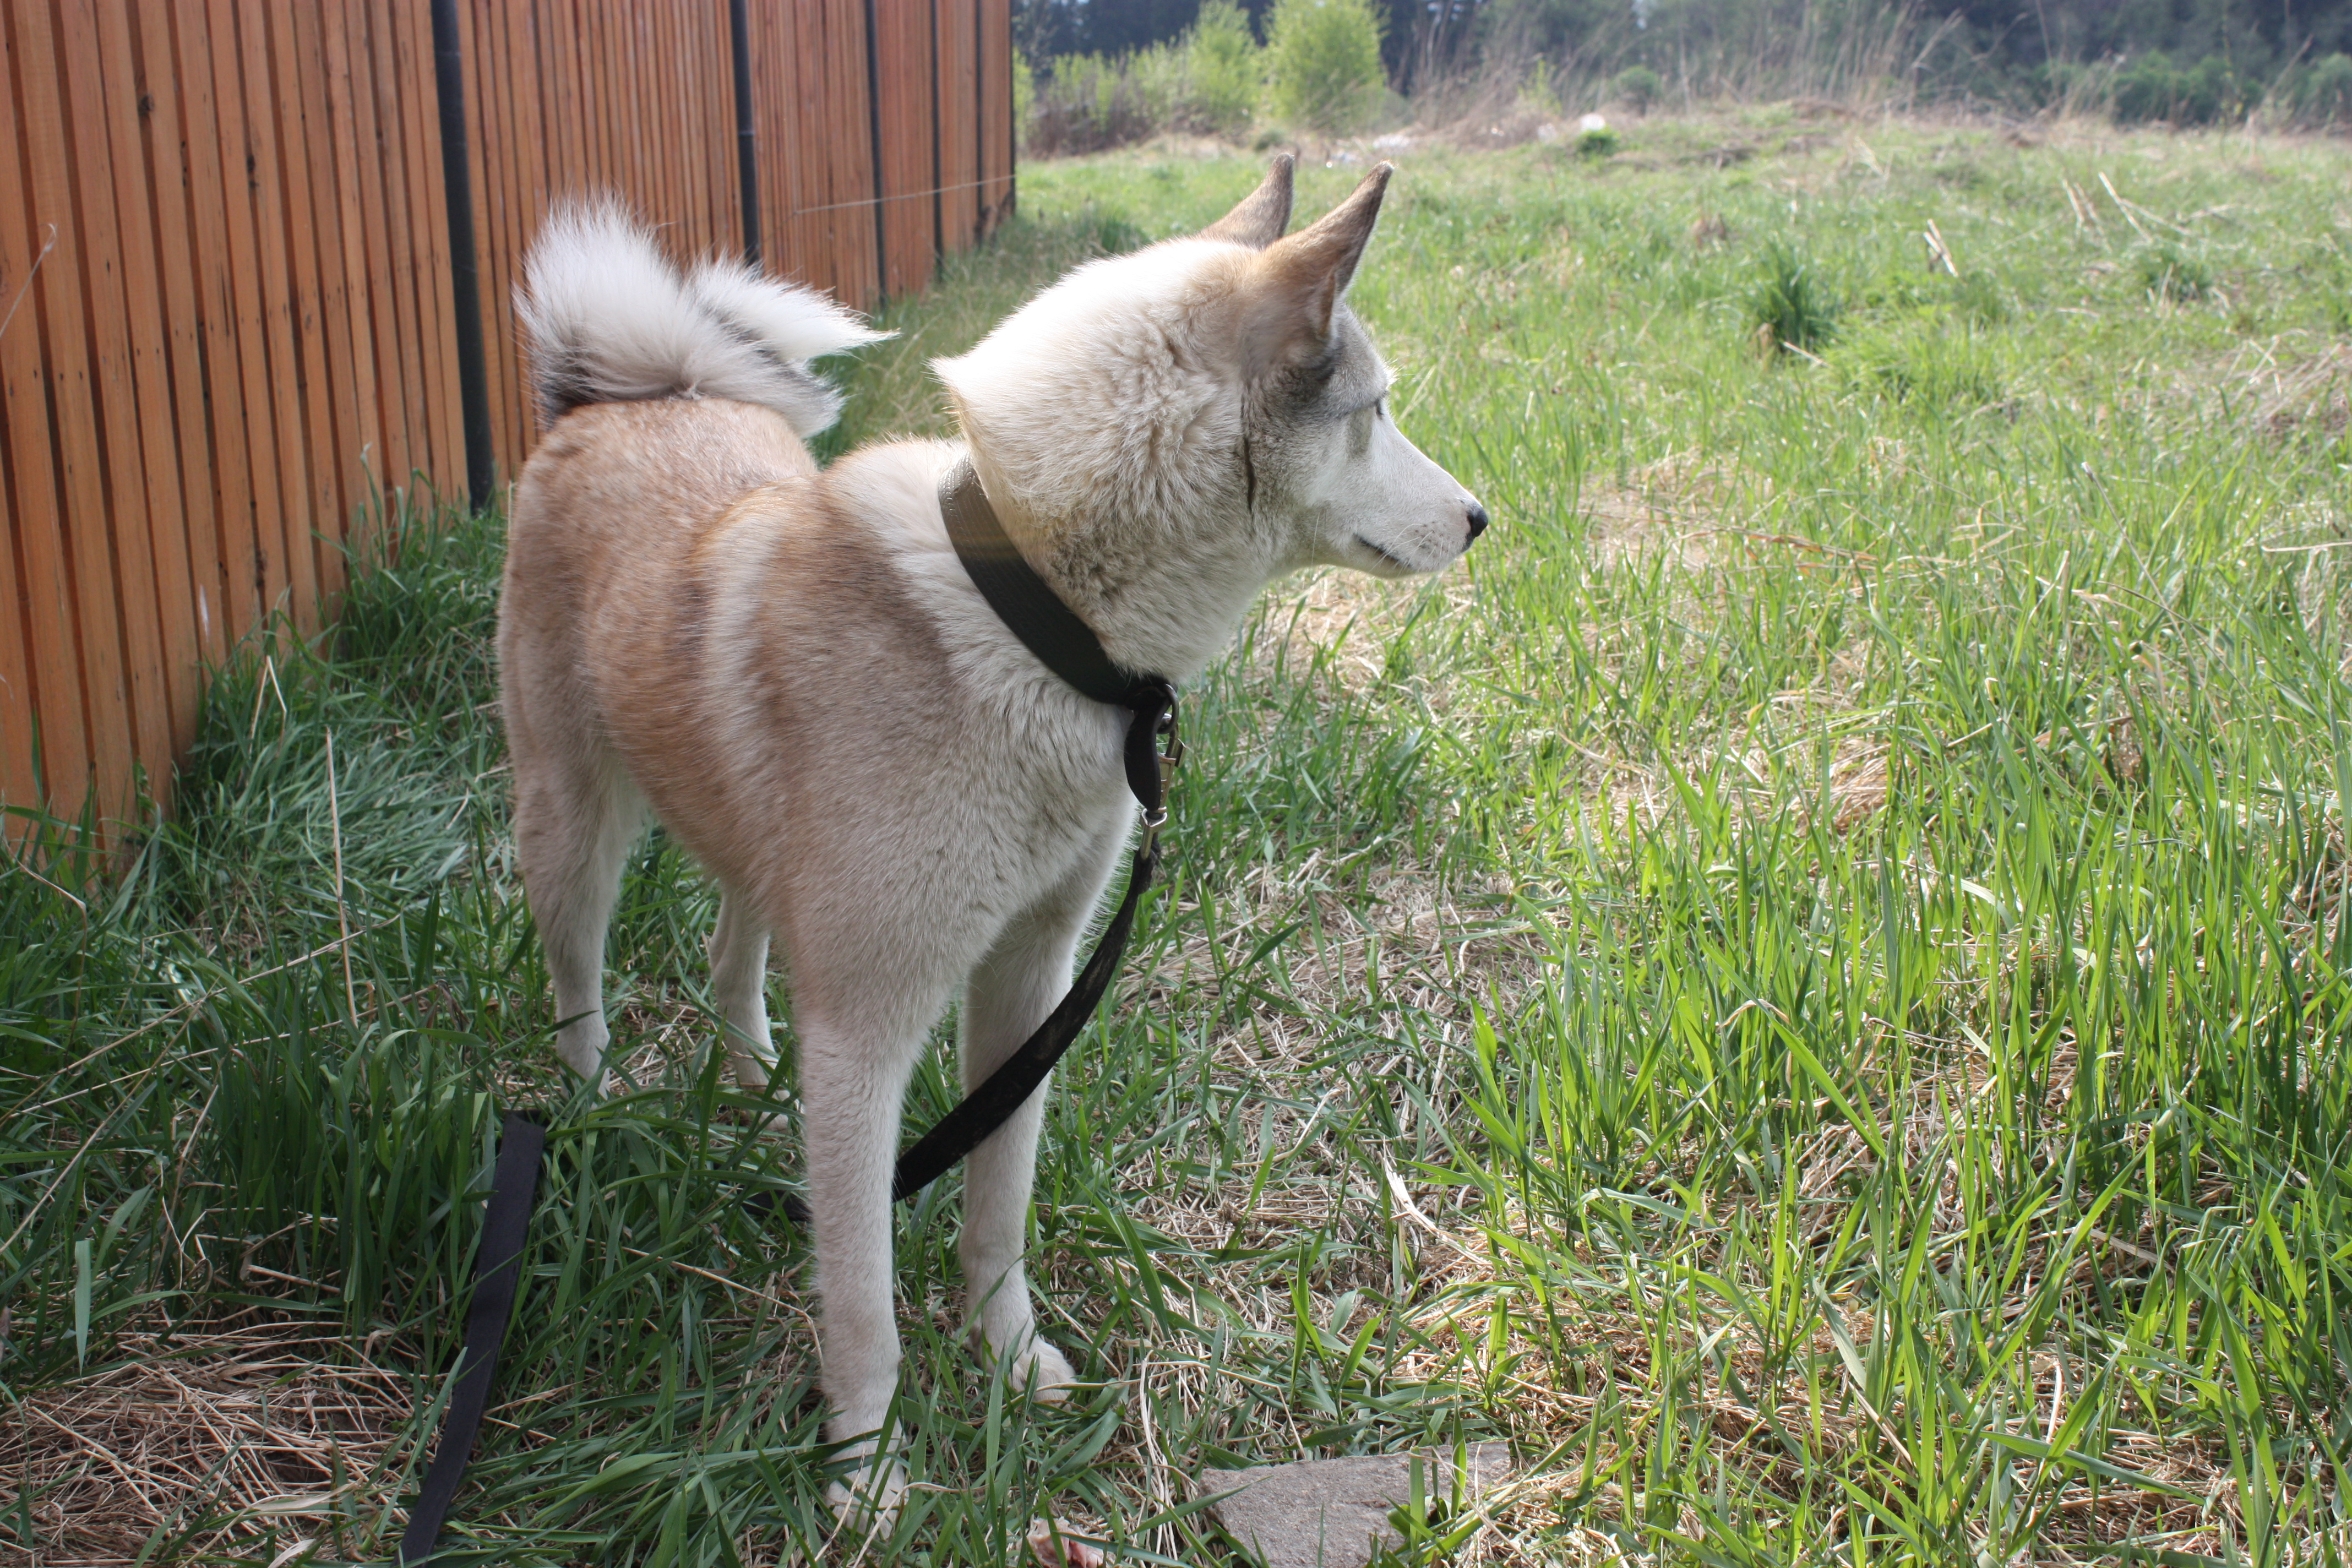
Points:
(228, 288)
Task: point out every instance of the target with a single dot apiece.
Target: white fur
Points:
(796, 323)
(611, 321)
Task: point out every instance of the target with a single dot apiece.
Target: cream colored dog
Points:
(794, 672)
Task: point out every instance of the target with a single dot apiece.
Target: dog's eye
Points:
(1380, 407)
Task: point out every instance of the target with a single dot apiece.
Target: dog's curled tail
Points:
(611, 321)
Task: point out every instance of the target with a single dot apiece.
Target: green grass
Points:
(1833, 915)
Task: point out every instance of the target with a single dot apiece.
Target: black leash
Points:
(497, 1269)
(1066, 645)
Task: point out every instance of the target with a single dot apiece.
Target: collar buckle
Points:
(1171, 752)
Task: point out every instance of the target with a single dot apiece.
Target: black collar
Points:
(1027, 604)
(1049, 628)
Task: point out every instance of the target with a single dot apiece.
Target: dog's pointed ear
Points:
(1300, 279)
(1263, 215)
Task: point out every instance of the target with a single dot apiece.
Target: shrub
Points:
(1207, 80)
(1638, 87)
(1160, 81)
(1087, 104)
(1790, 307)
(2319, 93)
(1227, 67)
(2153, 88)
(2146, 89)
(1325, 57)
(2213, 93)
(1539, 92)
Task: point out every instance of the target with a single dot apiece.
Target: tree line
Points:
(2184, 61)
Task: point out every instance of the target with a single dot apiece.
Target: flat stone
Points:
(1334, 1513)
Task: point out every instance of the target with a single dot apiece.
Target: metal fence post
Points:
(747, 135)
(465, 277)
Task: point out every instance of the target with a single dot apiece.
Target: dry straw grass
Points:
(240, 1440)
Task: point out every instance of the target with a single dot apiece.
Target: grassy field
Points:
(1805, 985)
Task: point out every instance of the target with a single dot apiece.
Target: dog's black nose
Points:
(1477, 519)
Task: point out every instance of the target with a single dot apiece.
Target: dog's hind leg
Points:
(1006, 997)
(739, 973)
(574, 821)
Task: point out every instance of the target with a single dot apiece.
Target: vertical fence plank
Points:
(260, 212)
(629, 69)
(138, 467)
(600, 108)
(671, 82)
(164, 119)
(710, 150)
(115, 450)
(403, 93)
(560, 99)
(284, 222)
(850, 228)
(364, 455)
(776, 126)
(787, 79)
(58, 296)
(256, 558)
(958, 129)
(909, 237)
(493, 87)
(20, 779)
(225, 574)
(20, 782)
(558, 93)
(57, 725)
(670, 184)
(524, 204)
(130, 110)
(424, 244)
(798, 71)
(390, 305)
(599, 102)
(616, 110)
(715, 152)
(996, 128)
(301, 62)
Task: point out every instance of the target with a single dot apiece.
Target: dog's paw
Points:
(866, 1501)
(1041, 1372)
(1053, 1544)
(752, 1073)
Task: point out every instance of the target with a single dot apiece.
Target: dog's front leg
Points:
(1007, 996)
(852, 1080)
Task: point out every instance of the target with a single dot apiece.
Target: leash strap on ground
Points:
(498, 1271)
(1066, 645)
